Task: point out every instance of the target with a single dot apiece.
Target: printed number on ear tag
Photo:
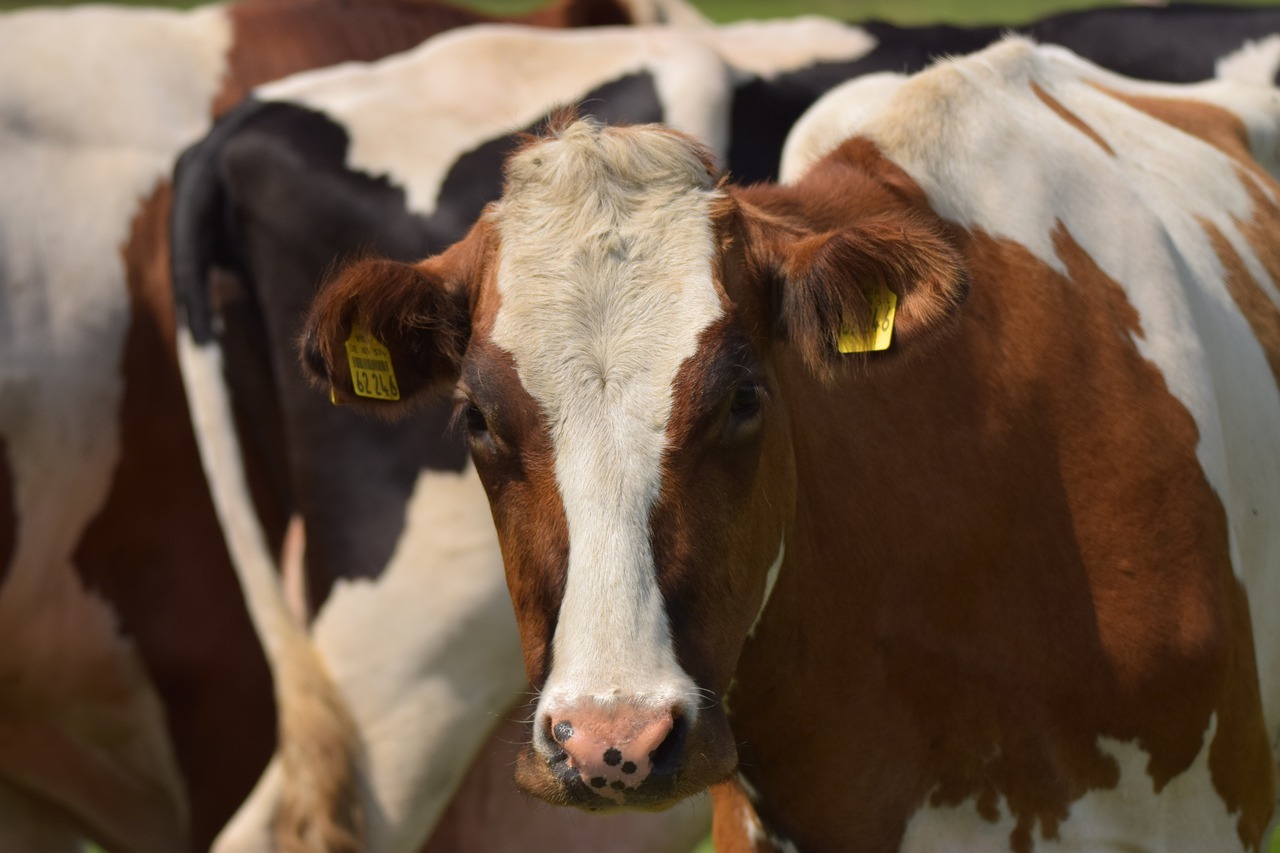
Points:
(370, 363)
(884, 305)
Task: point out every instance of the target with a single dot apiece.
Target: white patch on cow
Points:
(961, 130)
(413, 115)
(210, 405)
(675, 13)
(442, 605)
(605, 275)
(1255, 62)
(770, 579)
(1187, 815)
(311, 708)
(770, 48)
(95, 106)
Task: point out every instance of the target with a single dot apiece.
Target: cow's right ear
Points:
(383, 334)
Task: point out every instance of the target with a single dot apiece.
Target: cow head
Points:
(614, 331)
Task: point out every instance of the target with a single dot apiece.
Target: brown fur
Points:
(1071, 118)
(1021, 621)
(157, 553)
(733, 811)
(8, 512)
(419, 312)
(992, 561)
(801, 244)
(1248, 294)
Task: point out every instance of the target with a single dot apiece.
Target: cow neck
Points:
(988, 633)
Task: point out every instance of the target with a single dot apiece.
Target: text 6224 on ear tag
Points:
(876, 337)
(370, 362)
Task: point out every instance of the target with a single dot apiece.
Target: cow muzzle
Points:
(601, 756)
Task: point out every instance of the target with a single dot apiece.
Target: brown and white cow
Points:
(1000, 577)
(136, 706)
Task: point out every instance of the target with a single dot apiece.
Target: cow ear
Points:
(383, 334)
(881, 288)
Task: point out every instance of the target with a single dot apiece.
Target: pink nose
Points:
(612, 749)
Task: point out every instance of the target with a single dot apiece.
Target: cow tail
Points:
(321, 804)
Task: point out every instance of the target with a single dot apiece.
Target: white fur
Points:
(773, 47)
(770, 578)
(411, 116)
(1255, 62)
(606, 286)
(95, 105)
(977, 139)
(427, 656)
(676, 13)
(1185, 816)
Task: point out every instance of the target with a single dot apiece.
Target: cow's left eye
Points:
(744, 407)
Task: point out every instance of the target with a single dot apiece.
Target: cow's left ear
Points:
(882, 286)
(384, 334)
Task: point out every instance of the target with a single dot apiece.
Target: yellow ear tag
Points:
(884, 305)
(370, 363)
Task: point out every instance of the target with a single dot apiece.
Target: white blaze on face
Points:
(606, 284)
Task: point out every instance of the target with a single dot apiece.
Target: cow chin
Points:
(705, 756)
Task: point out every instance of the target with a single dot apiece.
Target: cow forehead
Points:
(605, 269)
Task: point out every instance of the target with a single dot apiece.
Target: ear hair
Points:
(420, 312)
(821, 280)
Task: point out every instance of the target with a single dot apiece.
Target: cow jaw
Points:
(605, 288)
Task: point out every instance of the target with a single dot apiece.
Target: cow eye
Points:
(476, 423)
(744, 407)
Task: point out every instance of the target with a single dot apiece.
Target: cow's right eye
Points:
(476, 423)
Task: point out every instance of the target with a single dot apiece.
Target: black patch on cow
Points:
(598, 781)
(476, 179)
(8, 512)
(268, 199)
(612, 757)
(764, 110)
(628, 767)
(1180, 43)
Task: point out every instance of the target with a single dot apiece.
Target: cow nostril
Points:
(666, 757)
(562, 731)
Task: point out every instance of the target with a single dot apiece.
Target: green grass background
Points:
(898, 11)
